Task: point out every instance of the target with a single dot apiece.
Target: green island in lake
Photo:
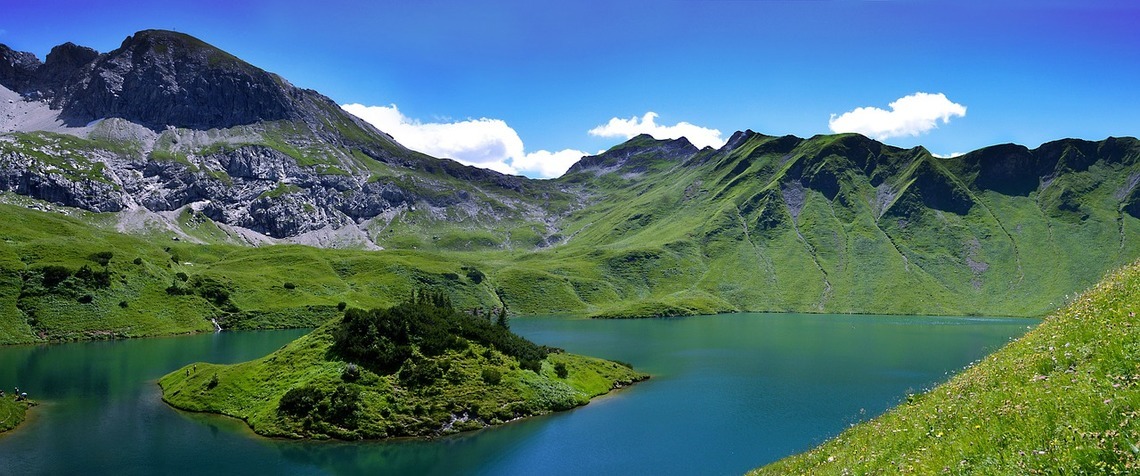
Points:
(417, 369)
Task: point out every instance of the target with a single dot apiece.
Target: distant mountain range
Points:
(178, 139)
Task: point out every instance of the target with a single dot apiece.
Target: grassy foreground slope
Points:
(402, 373)
(1063, 399)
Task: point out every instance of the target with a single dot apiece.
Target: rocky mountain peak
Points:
(155, 78)
(163, 46)
(17, 68)
(70, 56)
(64, 65)
(636, 156)
(167, 126)
(161, 78)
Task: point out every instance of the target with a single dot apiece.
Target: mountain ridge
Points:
(830, 223)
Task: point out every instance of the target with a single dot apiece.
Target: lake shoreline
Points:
(17, 414)
(100, 337)
(765, 383)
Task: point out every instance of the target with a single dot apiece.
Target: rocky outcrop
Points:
(18, 69)
(25, 175)
(636, 156)
(166, 121)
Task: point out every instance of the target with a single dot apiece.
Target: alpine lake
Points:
(729, 393)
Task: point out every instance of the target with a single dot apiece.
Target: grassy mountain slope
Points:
(835, 223)
(1063, 399)
(149, 287)
(828, 224)
(314, 387)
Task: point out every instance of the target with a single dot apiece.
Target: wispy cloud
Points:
(910, 115)
(628, 128)
(483, 142)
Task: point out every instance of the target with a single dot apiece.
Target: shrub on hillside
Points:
(351, 373)
(419, 372)
(341, 407)
(474, 275)
(102, 257)
(560, 370)
(92, 278)
(299, 401)
(53, 275)
(492, 376)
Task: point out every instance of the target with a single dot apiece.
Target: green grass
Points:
(12, 413)
(460, 399)
(1063, 399)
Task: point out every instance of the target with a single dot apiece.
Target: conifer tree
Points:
(503, 321)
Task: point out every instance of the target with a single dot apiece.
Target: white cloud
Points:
(909, 116)
(628, 128)
(487, 143)
(948, 156)
(548, 164)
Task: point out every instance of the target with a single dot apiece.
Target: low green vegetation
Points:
(1063, 399)
(12, 412)
(419, 368)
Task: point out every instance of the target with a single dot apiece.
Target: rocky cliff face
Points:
(155, 78)
(167, 121)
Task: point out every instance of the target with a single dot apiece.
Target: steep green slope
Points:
(836, 223)
(1063, 399)
(413, 370)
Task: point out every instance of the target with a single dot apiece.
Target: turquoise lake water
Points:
(728, 393)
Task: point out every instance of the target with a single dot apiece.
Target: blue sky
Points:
(464, 76)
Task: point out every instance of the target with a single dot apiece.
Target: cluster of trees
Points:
(61, 280)
(384, 339)
(54, 275)
(339, 407)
